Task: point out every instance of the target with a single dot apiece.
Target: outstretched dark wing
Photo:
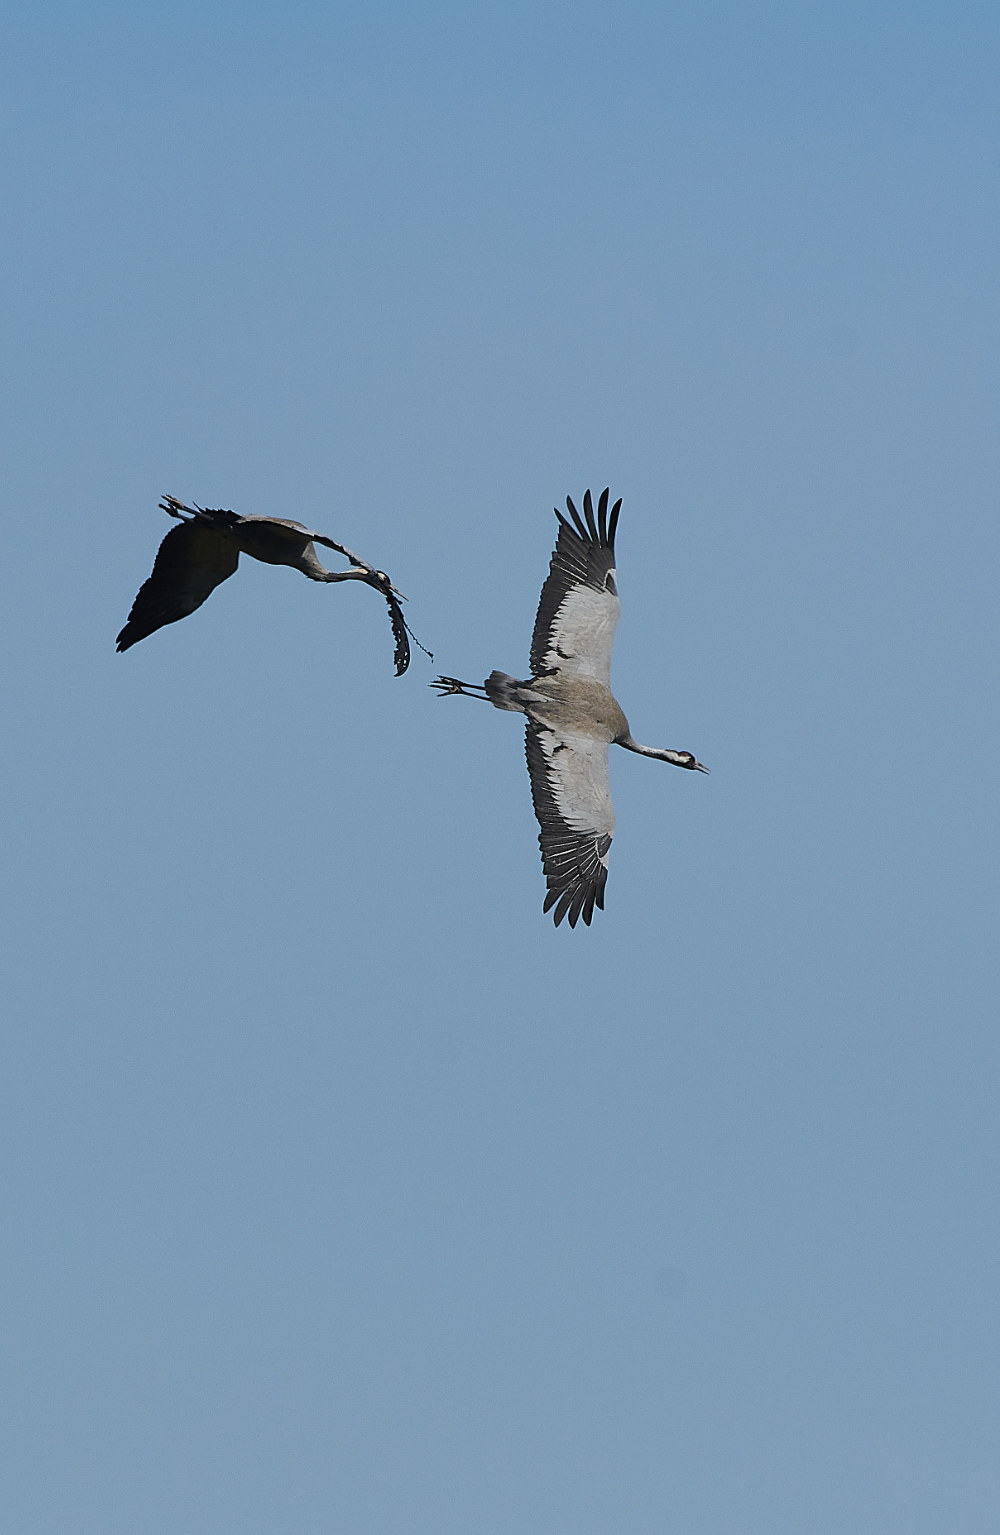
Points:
(572, 797)
(191, 562)
(578, 609)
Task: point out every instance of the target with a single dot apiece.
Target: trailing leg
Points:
(446, 686)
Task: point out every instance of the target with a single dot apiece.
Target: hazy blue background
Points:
(342, 1193)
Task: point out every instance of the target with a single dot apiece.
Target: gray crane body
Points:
(573, 716)
(562, 702)
(279, 541)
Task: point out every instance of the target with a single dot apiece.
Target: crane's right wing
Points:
(190, 563)
(578, 609)
(401, 658)
(572, 796)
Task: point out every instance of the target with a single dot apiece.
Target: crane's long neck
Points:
(340, 575)
(374, 578)
(679, 759)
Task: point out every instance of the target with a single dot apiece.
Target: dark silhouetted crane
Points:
(205, 550)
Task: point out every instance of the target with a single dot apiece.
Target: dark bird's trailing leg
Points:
(449, 685)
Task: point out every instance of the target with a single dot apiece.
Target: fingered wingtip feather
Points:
(578, 520)
(613, 522)
(597, 528)
(602, 516)
(588, 512)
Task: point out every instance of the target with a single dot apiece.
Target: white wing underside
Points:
(580, 781)
(582, 636)
(572, 796)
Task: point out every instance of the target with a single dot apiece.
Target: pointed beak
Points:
(700, 767)
(381, 581)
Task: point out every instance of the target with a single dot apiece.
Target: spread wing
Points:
(572, 796)
(578, 609)
(191, 562)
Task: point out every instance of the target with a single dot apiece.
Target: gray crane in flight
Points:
(205, 550)
(573, 716)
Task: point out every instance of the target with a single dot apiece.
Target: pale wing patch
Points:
(572, 798)
(582, 634)
(578, 767)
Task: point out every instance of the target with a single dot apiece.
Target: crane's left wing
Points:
(190, 563)
(572, 796)
(578, 609)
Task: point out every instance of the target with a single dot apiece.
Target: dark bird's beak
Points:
(382, 582)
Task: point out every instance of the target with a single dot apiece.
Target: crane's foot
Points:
(175, 508)
(446, 686)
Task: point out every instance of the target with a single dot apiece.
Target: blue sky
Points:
(340, 1191)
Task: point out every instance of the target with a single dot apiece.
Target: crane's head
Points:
(381, 582)
(663, 753)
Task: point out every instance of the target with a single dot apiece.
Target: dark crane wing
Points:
(571, 791)
(401, 656)
(578, 609)
(191, 562)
